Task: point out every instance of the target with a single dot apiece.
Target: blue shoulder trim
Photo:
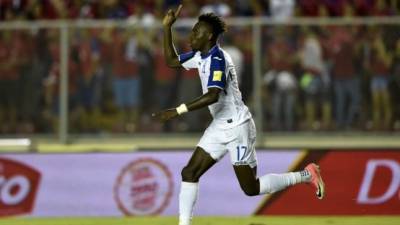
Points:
(186, 56)
(217, 76)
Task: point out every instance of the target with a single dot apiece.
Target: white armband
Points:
(182, 109)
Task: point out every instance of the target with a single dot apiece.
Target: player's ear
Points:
(210, 36)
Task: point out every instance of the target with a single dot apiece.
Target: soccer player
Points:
(232, 129)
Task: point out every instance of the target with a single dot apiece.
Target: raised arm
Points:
(171, 57)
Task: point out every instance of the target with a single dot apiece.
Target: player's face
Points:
(199, 36)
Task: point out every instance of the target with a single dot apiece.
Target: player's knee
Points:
(189, 175)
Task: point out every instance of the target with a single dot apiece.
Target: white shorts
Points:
(239, 141)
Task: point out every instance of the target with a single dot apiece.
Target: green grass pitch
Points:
(267, 220)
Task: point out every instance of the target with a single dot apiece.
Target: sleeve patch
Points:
(217, 76)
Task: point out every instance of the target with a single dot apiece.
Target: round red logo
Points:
(144, 187)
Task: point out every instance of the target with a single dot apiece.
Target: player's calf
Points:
(247, 179)
(252, 189)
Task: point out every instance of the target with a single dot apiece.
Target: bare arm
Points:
(171, 57)
(205, 100)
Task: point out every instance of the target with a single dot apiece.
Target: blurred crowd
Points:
(333, 78)
(117, 77)
(125, 9)
(314, 77)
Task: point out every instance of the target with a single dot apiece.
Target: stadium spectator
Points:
(89, 78)
(221, 8)
(281, 10)
(382, 8)
(44, 10)
(126, 80)
(164, 77)
(146, 70)
(281, 82)
(142, 17)
(27, 99)
(120, 9)
(236, 55)
(52, 84)
(363, 7)
(243, 7)
(314, 82)
(259, 8)
(33, 97)
(190, 10)
(242, 38)
(346, 82)
(396, 85)
(40, 65)
(380, 64)
(309, 8)
(8, 83)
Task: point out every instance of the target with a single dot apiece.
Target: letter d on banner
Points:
(363, 197)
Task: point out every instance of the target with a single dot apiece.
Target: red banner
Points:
(357, 183)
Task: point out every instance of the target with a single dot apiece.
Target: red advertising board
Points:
(18, 187)
(357, 183)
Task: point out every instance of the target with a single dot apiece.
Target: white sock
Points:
(187, 199)
(271, 183)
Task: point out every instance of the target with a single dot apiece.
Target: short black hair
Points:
(217, 24)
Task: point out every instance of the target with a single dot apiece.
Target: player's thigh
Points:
(198, 164)
(243, 158)
(242, 147)
(213, 142)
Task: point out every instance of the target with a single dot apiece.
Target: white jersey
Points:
(216, 69)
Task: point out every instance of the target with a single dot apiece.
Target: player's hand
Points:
(171, 17)
(165, 115)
